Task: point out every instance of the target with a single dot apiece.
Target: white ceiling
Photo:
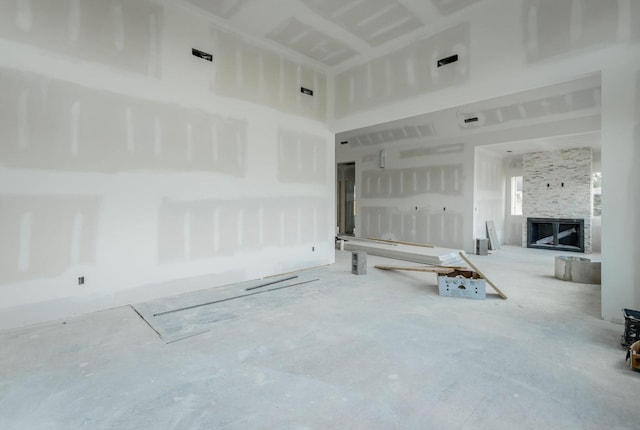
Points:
(333, 32)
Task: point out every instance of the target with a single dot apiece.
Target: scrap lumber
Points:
(438, 270)
(375, 239)
(474, 267)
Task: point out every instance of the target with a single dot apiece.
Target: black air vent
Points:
(306, 91)
(344, 142)
(202, 54)
(470, 120)
(447, 60)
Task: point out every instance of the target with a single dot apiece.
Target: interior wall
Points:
(422, 194)
(489, 194)
(147, 171)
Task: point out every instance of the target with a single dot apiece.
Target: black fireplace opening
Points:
(554, 233)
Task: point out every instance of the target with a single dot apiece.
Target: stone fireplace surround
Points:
(557, 185)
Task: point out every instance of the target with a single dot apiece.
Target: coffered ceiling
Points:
(332, 32)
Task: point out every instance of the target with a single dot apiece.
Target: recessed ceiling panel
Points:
(374, 21)
(222, 8)
(310, 42)
(447, 7)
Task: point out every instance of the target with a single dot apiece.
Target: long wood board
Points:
(474, 267)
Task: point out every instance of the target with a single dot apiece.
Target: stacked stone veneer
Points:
(573, 200)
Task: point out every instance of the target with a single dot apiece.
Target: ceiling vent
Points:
(202, 54)
(447, 60)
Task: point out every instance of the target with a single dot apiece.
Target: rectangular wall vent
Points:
(306, 91)
(202, 54)
(447, 60)
(470, 120)
(344, 142)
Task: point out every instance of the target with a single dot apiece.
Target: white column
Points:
(621, 186)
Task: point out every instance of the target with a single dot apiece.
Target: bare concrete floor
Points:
(380, 351)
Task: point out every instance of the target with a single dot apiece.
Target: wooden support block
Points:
(474, 267)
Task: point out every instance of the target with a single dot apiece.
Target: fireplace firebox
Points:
(555, 233)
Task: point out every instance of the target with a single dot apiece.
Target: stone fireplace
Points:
(556, 233)
(557, 200)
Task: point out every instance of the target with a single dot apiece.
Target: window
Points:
(596, 190)
(516, 195)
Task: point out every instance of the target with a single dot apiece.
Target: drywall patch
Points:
(29, 225)
(388, 74)
(117, 33)
(374, 21)
(57, 125)
(224, 228)
(311, 42)
(252, 73)
(302, 158)
(554, 28)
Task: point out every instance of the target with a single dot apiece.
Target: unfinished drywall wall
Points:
(489, 194)
(404, 73)
(57, 125)
(555, 28)
(411, 189)
(144, 170)
(121, 34)
(557, 184)
(246, 71)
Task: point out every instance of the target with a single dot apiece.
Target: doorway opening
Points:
(346, 198)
